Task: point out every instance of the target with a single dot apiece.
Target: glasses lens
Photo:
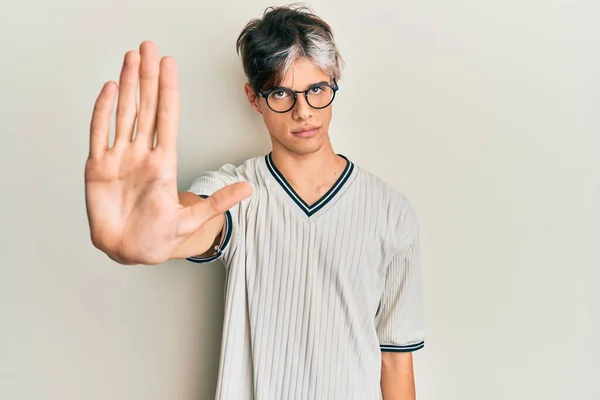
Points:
(320, 96)
(281, 100)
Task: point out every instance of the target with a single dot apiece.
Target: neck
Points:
(310, 174)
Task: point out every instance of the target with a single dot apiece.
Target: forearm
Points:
(397, 382)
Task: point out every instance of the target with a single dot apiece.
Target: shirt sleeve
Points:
(399, 319)
(204, 186)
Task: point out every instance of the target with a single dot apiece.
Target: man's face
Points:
(288, 130)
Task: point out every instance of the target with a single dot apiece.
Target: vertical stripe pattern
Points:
(315, 293)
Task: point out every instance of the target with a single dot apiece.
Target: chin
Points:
(301, 147)
(305, 148)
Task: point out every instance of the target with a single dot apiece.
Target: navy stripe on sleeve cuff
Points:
(224, 242)
(403, 348)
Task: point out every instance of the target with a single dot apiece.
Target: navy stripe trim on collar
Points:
(319, 204)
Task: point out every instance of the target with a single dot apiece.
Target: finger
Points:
(149, 72)
(167, 120)
(192, 218)
(100, 124)
(127, 104)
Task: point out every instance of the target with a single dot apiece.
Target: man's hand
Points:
(131, 194)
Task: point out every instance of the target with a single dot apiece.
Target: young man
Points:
(323, 288)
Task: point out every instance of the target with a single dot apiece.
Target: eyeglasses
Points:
(318, 96)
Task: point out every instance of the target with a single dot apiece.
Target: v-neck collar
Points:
(310, 210)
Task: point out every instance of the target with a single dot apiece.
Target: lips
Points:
(306, 131)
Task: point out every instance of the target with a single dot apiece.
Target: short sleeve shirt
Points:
(314, 292)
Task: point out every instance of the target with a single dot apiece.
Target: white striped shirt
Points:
(314, 293)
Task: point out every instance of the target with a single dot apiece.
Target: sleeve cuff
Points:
(226, 238)
(402, 348)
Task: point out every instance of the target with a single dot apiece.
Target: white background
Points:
(484, 113)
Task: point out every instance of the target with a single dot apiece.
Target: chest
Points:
(339, 251)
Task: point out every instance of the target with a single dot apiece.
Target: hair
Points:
(285, 34)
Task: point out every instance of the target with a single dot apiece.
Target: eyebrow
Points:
(308, 87)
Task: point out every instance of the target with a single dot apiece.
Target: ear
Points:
(253, 99)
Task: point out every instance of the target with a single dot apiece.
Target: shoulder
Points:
(398, 212)
(394, 199)
(227, 174)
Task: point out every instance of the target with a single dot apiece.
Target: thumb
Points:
(191, 218)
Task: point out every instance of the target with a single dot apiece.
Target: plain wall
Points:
(484, 113)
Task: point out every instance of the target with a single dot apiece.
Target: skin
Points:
(397, 376)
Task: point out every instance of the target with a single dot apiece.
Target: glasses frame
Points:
(266, 94)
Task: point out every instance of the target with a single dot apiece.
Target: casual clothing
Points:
(314, 293)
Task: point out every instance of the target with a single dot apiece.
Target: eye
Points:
(315, 89)
(280, 94)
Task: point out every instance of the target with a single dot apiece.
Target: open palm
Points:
(132, 202)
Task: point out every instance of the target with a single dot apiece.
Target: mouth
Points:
(307, 131)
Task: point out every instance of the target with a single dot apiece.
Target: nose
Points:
(302, 110)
